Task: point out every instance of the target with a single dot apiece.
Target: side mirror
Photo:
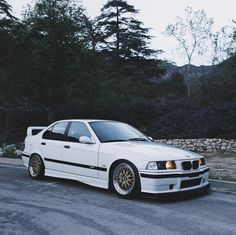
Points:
(150, 138)
(86, 140)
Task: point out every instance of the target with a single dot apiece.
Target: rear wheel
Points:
(36, 167)
(125, 180)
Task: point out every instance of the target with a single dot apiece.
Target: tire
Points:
(36, 167)
(125, 181)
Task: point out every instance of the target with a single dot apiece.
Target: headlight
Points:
(202, 161)
(152, 166)
(170, 165)
(161, 165)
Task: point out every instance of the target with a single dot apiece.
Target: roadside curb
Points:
(222, 185)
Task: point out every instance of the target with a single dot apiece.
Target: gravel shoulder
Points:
(222, 165)
(11, 161)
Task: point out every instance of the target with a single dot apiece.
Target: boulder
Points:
(10, 148)
(18, 153)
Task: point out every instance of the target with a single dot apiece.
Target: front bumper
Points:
(169, 183)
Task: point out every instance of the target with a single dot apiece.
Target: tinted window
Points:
(108, 131)
(57, 132)
(77, 129)
(35, 132)
(47, 133)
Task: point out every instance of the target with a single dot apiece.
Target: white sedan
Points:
(115, 155)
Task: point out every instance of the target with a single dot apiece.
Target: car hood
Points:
(152, 150)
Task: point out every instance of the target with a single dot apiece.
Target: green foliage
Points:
(6, 17)
(126, 43)
(220, 84)
(123, 35)
(64, 64)
(54, 36)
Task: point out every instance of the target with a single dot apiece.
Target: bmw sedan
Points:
(112, 155)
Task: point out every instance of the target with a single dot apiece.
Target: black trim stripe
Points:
(25, 155)
(162, 176)
(76, 164)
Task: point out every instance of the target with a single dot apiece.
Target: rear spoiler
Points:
(34, 130)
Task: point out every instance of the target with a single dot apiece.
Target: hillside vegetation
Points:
(56, 63)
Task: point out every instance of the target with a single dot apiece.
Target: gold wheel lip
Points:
(125, 171)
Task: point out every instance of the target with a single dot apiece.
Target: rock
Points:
(204, 144)
(175, 142)
(169, 142)
(9, 148)
(18, 153)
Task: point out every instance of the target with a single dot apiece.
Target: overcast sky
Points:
(157, 14)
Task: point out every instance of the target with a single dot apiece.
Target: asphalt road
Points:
(55, 206)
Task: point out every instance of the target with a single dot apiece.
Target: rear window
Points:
(56, 132)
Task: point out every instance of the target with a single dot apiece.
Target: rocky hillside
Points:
(196, 71)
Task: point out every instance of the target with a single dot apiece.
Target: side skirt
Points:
(87, 180)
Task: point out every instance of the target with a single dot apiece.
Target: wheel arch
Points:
(36, 153)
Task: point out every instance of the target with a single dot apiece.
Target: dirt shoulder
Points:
(222, 165)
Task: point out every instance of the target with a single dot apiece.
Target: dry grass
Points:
(222, 165)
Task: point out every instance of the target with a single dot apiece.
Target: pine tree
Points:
(6, 16)
(124, 35)
(7, 21)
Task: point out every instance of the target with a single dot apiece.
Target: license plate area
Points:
(190, 183)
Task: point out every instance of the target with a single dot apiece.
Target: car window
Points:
(76, 130)
(110, 131)
(56, 132)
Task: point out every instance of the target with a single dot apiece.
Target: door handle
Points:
(66, 146)
(43, 143)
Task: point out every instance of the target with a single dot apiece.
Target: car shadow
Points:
(175, 198)
(147, 198)
(74, 184)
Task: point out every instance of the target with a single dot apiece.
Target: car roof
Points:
(86, 120)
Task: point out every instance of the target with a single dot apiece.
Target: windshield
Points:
(111, 131)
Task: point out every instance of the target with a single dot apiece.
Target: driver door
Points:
(80, 159)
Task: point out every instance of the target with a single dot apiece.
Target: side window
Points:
(56, 132)
(77, 129)
(47, 133)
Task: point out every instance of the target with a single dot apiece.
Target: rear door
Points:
(79, 158)
(52, 145)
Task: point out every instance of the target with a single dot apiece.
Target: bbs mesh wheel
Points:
(36, 167)
(125, 180)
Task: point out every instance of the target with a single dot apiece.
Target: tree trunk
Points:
(187, 80)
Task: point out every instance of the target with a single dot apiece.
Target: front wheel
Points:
(125, 180)
(36, 167)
